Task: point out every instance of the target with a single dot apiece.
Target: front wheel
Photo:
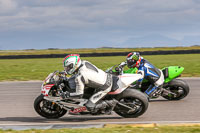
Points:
(134, 99)
(179, 89)
(48, 109)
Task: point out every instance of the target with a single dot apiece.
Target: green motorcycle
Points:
(172, 89)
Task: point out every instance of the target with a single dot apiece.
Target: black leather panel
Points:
(165, 73)
(114, 86)
(90, 66)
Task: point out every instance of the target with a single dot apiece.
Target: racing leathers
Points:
(150, 73)
(88, 75)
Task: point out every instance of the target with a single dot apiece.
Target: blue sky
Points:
(42, 24)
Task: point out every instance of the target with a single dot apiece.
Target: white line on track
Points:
(95, 123)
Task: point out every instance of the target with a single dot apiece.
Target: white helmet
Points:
(71, 63)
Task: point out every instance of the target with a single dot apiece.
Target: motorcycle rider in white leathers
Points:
(86, 74)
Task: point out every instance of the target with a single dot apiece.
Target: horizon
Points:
(103, 48)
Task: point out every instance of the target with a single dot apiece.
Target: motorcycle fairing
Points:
(172, 72)
(124, 81)
(78, 110)
(46, 88)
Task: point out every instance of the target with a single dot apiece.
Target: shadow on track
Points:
(159, 100)
(64, 119)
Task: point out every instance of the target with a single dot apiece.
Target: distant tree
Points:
(53, 48)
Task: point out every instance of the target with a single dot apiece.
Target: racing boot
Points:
(151, 90)
(107, 105)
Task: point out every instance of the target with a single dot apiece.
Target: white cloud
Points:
(93, 14)
(7, 6)
(118, 18)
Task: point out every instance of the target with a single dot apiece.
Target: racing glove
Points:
(121, 65)
(65, 95)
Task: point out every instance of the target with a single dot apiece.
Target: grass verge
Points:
(38, 69)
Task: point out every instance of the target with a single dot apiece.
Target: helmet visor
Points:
(69, 67)
(131, 63)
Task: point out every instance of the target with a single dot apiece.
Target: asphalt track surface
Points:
(16, 108)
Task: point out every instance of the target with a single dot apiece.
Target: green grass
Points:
(38, 69)
(94, 50)
(123, 129)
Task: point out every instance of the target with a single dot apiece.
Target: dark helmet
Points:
(133, 59)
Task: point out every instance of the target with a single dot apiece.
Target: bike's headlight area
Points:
(44, 83)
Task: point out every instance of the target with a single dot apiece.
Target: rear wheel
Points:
(48, 109)
(134, 99)
(179, 89)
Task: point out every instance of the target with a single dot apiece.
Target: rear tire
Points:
(132, 98)
(47, 109)
(179, 87)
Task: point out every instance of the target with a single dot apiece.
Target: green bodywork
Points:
(131, 70)
(173, 72)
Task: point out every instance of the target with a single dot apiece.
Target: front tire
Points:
(179, 87)
(132, 98)
(48, 109)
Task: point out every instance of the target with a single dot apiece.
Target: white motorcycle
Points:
(131, 103)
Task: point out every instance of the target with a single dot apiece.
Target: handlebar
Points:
(117, 69)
